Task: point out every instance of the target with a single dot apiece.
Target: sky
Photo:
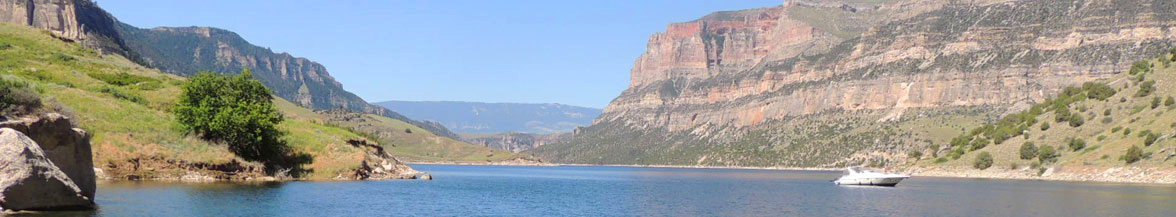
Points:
(568, 52)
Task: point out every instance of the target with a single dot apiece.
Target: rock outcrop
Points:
(378, 164)
(66, 146)
(38, 176)
(72, 20)
(752, 87)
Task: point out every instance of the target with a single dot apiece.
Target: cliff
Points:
(73, 20)
(778, 87)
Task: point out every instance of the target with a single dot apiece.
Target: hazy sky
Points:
(569, 52)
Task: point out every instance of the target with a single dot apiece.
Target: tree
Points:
(1134, 154)
(1046, 154)
(238, 111)
(1028, 151)
(983, 161)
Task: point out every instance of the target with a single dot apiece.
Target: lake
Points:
(632, 191)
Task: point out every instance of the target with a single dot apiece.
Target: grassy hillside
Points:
(126, 108)
(402, 139)
(1088, 126)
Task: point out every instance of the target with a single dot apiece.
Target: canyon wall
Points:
(705, 86)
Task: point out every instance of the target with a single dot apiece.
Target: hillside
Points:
(784, 86)
(126, 108)
(480, 117)
(513, 141)
(1091, 132)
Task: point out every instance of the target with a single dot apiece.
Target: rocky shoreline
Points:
(1139, 175)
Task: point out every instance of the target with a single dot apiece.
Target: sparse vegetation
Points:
(16, 99)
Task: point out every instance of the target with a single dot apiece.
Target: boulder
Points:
(66, 146)
(30, 181)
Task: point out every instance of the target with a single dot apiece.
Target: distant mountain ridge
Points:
(480, 117)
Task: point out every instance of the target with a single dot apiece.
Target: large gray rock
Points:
(66, 146)
(30, 181)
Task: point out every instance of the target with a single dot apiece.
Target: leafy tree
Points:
(1047, 154)
(1028, 151)
(238, 111)
(1134, 154)
(983, 161)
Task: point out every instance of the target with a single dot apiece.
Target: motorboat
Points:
(862, 176)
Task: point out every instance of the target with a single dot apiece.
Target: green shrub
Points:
(1101, 138)
(1077, 144)
(983, 161)
(956, 153)
(1127, 131)
(17, 99)
(120, 79)
(915, 155)
(1044, 126)
(1076, 120)
(979, 143)
(1139, 67)
(1040, 171)
(60, 58)
(1155, 103)
(1146, 88)
(941, 160)
(1150, 139)
(238, 111)
(1170, 102)
(1134, 154)
(1116, 129)
(1028, 151)
(5, 45)
(934, 150)
(1047, 154)
(123, 95)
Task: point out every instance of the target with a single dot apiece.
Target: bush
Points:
(1116, 129)
(1028, 151)
(61, 58)
(1139, 67)
(941, 160)
(1146, 88)
(956, 153)
(1047, 154)
(1102, 137)
(983, 161)
(934, 150)
(1134, 154)
(1169, 102)
(120, 79)
(239, 111)
(1076, 120)
(1150, 139)
(1127, 131)
(123, 95)
(1155, 103)
(1044, 126)
(16, 99)
(915, 154)
(979, 143)
(1077, 144)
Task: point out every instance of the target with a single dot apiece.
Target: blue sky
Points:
(568, 52)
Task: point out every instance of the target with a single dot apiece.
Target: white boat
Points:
(860, 176)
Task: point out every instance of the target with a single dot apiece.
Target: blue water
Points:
(629, 191)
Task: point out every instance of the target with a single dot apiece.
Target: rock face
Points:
(74, 20)
(67, 147)
(730, 88)
(378, 164)
(513, 141)
(29, 180)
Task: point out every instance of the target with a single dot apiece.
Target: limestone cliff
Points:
(751, 87)
(73, 20)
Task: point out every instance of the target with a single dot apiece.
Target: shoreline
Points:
(1120, 175)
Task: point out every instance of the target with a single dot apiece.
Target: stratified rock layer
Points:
(704, 86)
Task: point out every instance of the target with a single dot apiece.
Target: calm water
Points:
(625, 191)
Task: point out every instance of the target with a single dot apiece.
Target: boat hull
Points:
(890, 181)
